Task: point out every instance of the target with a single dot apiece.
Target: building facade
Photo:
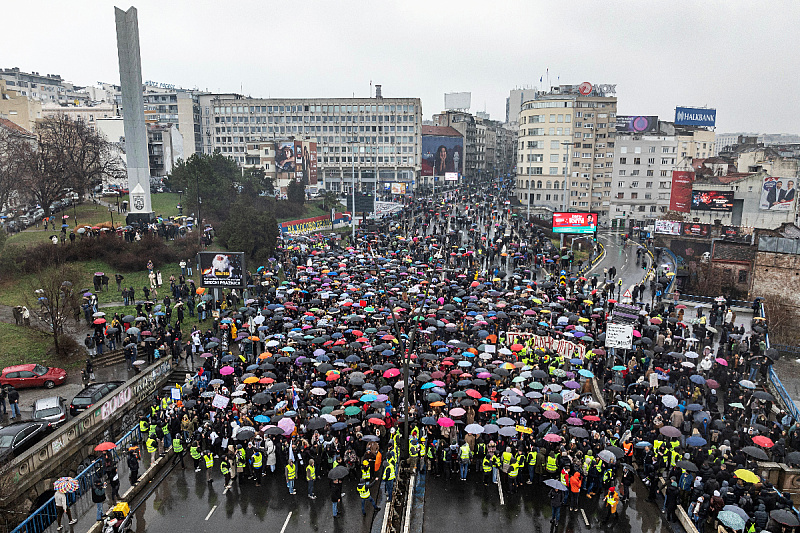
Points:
(21, 110)
(566, 150)
(368, 133)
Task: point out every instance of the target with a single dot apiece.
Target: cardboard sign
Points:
(569, 395)
(220, 401)
(175, 393)
(489, 348)
(562, 347)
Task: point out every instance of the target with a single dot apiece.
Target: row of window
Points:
(313, 118)
(650, 149)
(650, 161)
(647, 184)
(649, 173)
(647, 196)
(227, 110)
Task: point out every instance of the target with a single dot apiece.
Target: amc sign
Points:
(112, 405)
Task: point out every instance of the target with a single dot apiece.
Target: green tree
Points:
(255, 181)
(249, 230)
(214, 177)
(54, 297)
(296, 192)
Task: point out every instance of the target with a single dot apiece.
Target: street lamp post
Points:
(353, 213)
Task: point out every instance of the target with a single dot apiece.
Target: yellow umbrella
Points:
(589, 302)
(747, 476)
(251, 379)
(536, 301)
(583, 319)
(670, 274)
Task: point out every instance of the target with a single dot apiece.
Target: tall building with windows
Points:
(380, 136)
(566, 149)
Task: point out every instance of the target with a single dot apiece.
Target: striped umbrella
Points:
(65, 485)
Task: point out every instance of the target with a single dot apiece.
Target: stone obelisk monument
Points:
(130, 79)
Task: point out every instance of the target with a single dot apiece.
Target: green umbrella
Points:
(433, 397)
(352, 410)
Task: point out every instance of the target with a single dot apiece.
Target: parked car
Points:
(52, 410)
(92, 394)
(32, 375)
(18, 437)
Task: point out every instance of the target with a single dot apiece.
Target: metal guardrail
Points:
(41, 518)
(593, 261)
(791, 407)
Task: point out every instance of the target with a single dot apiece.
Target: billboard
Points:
(619, 336)
(668, 227)
(451, 176)
(737, 233)
(221, 269)
(695, 116)
(680, 198)
(285, 157)
(442, 154)
(298, 160)
(398, 188)
(718, 201)
(696, 230)
(636, 124)
(457, 100)
(574, 222)
(777, 194)
(306, 225)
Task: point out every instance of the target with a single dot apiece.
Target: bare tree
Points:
(54, 297)
(9, 165)
(67, 153)
(781, 319)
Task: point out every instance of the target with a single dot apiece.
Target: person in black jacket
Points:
(671, 499)
(99, 496)
(133, 466)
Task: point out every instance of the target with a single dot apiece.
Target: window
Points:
(651, 160)
(634, 184)
(554, 158)
(620, 196)
(552, 118)
(553, 170)
(651, 149)
(623, 149)
(665, 149)
(539, 184)
(536, 170)
(622, 172)
(637, 161)
(623, 160)
(634, 172)
(743, 276)
(634, 195)
(648, 196)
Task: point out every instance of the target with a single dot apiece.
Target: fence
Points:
(596, 258)
(42, 517)
(791, 407)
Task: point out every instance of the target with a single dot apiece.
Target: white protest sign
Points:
(619, 335)
(220, 401)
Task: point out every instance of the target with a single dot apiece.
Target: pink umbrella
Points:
(721, 361)
(636, 333)
(226, 370)
(574, 421)
(438, 383)
(391, 373)
(446, 422)
(457, 411)
(552, 437)
(552, 415)
(484, 375)
(287, 425)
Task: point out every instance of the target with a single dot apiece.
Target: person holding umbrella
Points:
(62, 486)
(556, 501)
(336, 495)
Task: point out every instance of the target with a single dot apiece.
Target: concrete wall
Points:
(34, 472)
(777, 274)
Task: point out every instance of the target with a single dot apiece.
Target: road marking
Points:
(211, 512)
(500, 491)
(225, 491)
(585, 520)
(286, 523)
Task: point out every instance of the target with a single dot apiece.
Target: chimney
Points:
(378, 91)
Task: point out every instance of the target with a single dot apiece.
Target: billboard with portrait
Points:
(636, 124)
(574, 222)
(777, 194)
(285, 157)
(442, 154)
(221, 269)
(680, 198)
(718, 201)
(696, 230)
(667, 227)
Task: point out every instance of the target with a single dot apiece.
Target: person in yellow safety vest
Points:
(366, 471)
(531, 456)
(144, 427)
(423, 455)
(311, 476)
(431, 455)
(150, 445)
(194, 451)
(241, 463)
(563, 476)
(257, 462)
(413, 453)
(657, 444)
(177, 447)
(513, 473)
(225, 469)
(486, 464)
(209, 459)
(291, 475)
(611, 501)
(552, 463)
(389, 474)
(465, 454)
(363, 491)
(675, 456)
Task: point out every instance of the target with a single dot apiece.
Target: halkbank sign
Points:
(695, 116)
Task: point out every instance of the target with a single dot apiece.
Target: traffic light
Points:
(594, 236)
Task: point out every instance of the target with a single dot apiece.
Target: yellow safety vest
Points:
(413, 450)
(177, 446)
(150, 442)
(465, 452)
(532, 458)
(291, 471)
(389, 473)
(223, 467)
(310, 473)
(514, 470)
(144, 426)
(363, 490)
(257, 459)
(487, 464)
(195, 453)
(209, 460)
(552, 465)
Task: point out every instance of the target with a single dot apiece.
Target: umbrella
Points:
(731, 520)
(784, 517)
(738, 510)
(687, 465)
(747, 476)
(696, 441)
(66, 484)
(755, 453)
(246, 432)
(793, 458)
(475, 429)
(339, 472)
(764, 442)
(105, 446)
(670, 431)
(555, 484)
(607, 456)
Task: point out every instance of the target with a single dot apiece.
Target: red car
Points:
(21, 376)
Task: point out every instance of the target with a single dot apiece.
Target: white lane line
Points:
(500, 491)
(211, 512)
(286, 523)
(224, 492)
(585, 520)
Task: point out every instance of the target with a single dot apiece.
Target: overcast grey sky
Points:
(738, 56)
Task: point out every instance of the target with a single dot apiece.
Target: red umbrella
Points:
(764, 442)
(712, 383)
(485, 407)
(377, 421)
(99, 321)
(516, 347)
(552, 437)
(591, 418)
(105, 446)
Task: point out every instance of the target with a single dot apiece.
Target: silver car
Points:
(52, 410)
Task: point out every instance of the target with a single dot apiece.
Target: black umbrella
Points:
(755, 453)
(261, 398)
(340, 472)
(784, 517)
(687, 465)
(793, 458)
(273, 431)
(245, 433)
(763, 395)
(316, 423)
(617, 451)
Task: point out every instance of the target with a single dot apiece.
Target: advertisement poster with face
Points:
(777, 194)
(442, 154)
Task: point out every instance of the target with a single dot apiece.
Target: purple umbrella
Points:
(287, 425)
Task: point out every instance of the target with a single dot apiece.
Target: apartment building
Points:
(566, 149)
(380, 137)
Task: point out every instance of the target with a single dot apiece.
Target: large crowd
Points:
(302, 375)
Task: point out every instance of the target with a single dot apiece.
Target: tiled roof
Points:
(4, 122)
(743, 253)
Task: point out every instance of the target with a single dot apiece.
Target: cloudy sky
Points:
(737, 56)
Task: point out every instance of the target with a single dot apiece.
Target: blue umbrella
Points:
(319, 384)
(262, 419)
(696, 441)
(585, 373)
(700, 380)
(428, 385)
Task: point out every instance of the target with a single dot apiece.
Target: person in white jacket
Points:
(269, 450)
